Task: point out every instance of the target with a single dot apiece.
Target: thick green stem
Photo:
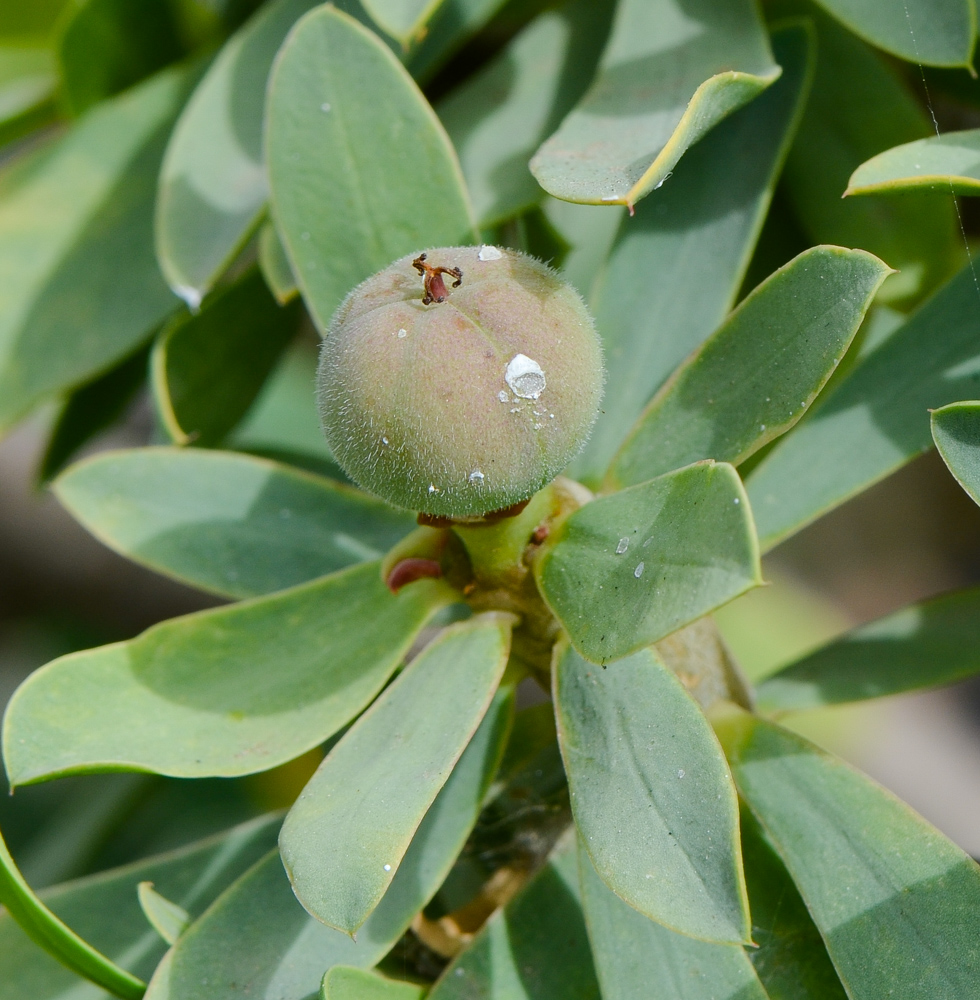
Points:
(56, 938)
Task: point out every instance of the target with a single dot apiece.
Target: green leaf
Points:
(790, 959)
(933, 32)
(898, 905)
(956, 431)
(500, 115)
(626, 570)
(535, 948)
(208, 367)
(403, 20)
(651, 793)
(223, 692)
(346, 983)
(637, 958)
(213, 187)
(27, 84)
(754, 378)
(104, 910)
(670, 72)
(168, 919)
(275, 265)
(360, 168)
(92, 408)
(106, 46)
(676, 268)
(916, 235)
(79, 286)
(947, 163)
(232, 524)
(455, 23)
(875, 419)
(924, 645)
(345, 837)
(257, 940)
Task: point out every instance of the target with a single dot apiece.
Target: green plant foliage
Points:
(404, 20)
(27, 84)
(361, 170)
(106, 46)
(222, 692)
(875, 419)
(75, 220)
(213, 187)
(104, 909)
(917, 235)
(456, 22)
(499, 117)
(168, 919)
(790, 958)
(924, 645)
(235, 525)
(275, 265)
(257, 937)
(675, 268)
(630, 568)
(791, 333)
(653, 800)
(343, 983)
(669, 73)
(947, 163)
(91, 408)
(209, 367)
(908, 924)
(633, 953)
(346, 836)
(956, 431)
(535, 948)
(934, 32)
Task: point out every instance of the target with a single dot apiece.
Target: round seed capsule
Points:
(459, 381)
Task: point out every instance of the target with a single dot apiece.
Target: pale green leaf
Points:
(628, 569)
(168, 919)
(956, 431)
(876, 419)
(275, 265)
(947, 163)
(347, 983)
(924, 645)
(346, 836)
(79, 286)
(403, 20)
(790, 957)
(637, 959)
(499, 116)
(652, 797)
(917, 235)
(933, 32)
(222, 692)
(104, 910)
(754, 378)
(455, 23)
(208, 367)
(670, 72)
(535, 948)
(27, 81)
(257, 940)
(233, 524)
(898, 904)
(360, 168)
(213, 187)
(676, 268)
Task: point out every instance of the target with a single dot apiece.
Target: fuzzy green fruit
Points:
(468, 404)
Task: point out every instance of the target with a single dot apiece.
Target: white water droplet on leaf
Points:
(488, 252)
(192, 296)
(325, 106)
(387, 868)
(638, 572)
(525, 377)
(680, 773)
(624, 544)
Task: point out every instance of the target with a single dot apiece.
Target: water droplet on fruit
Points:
(624, 544)
(638, 572)
(489, 253)
(384, 440)
(476, 477)
(525, 377)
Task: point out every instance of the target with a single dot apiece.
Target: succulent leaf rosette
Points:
(516, 503)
